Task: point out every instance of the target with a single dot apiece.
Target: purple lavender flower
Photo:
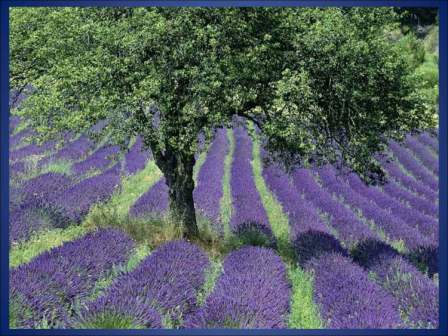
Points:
(347, 298)
(101, 159)
(424, 154)
(154, 201)
(25, 221)
(249, 213)
(416, 294)
(411, 164)
(394, 227)
(51, 284)
(75, 150)
(44, 190)
(75, 202)
(409, 182)
(136, 158)
(167, 280)
(348, 226)
(252, 292)
(301, 213)
(430, 141)
(14, 121)
(425, 224)
(136, 313)
(208, 191)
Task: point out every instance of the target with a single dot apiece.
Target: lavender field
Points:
(311, 249)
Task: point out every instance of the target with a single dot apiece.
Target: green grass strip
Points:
(277, 218)
(132, 187)
(226, 200)
(304, 313)
(211, 275)
(43, 241)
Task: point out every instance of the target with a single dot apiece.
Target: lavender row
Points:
(394, 227)
(100, 159)
(424, 206)
(73, 151)
(166, 283)
(209, 190)
(32, 203)
(350, 229)
(47, 288)
(136, 158)
(410, 182)
(154, 201)
(430, 141)
(425, 224)
(75, 202)
(252, 292)
(411, 164)
(301, 214)
(416, 294)
(249, 213)
(347, 298)
(424, 154)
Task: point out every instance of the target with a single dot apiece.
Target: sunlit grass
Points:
(23, 252)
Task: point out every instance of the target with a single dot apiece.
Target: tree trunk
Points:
(179, 178)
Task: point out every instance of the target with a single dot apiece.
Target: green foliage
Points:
(413, 49)
(324, 84)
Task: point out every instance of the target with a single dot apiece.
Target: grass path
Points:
(304, 314)
(226, 200)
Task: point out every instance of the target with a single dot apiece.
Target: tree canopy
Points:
(322, 85)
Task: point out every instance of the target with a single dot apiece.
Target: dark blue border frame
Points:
(4, 165)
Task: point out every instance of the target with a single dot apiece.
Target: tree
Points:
(322, 85)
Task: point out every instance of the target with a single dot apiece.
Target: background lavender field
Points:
(91, 245)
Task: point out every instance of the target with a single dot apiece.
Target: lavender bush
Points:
(252, 292)
(208, 191)
(408, 182)
(51, 285)
(154, 201)
(416, 294)
(248, 211)
(348, 298)
(167, 281)
(394, 227)
(75, 202)
(429, 141)
(425, 224)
